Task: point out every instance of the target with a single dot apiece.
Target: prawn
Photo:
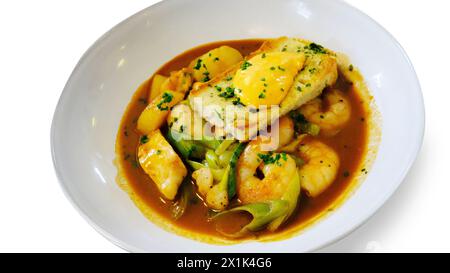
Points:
(320, 168)
(277, 168)
(332, 119)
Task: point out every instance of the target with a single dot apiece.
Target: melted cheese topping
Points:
(266, 78)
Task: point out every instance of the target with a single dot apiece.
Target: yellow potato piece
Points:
(155, 89)
(214, 62)
(162, 164)
(155, 114)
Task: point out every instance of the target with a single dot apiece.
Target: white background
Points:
(40, 43)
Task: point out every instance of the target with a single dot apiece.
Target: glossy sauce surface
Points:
(350, 144)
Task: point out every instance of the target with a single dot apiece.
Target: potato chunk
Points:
(155, 114)
(162, 164)
(214, 62)
(155, 89)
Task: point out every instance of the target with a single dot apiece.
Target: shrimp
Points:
(320, 168)
(215, 196)
(332, 119)
(277, 168)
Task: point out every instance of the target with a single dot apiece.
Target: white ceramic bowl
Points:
(92, 103)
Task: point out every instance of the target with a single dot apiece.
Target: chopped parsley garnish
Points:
(270, 158)
(143, 139)
(302, 125)
(216, 59)
(281, 68)
(206, 78)
(198, 65)
(263, 79)
(237, 101)
(312, 70)
(346, 173)
(166, 98)
(263, 55)
(284, 49)
(218, 88)
(229, 78)
(272, 68)
(158, 152)
(181, 128)
(228, 93)
(262, 95)
(299, 120)
(265, 84)
(350, 68)
(299, 88)
(308, 85)
(316, 48)
(245, 65)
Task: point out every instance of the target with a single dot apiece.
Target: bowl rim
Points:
(127, 247)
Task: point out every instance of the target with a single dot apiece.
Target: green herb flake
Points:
(143, 139)
(166, 98)
(237, 101)
(350, 68)
(263, 55)
(198, 65)
(206, 78)
(270, 158)
(228, 93)
(316, 48)
(245, 65)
